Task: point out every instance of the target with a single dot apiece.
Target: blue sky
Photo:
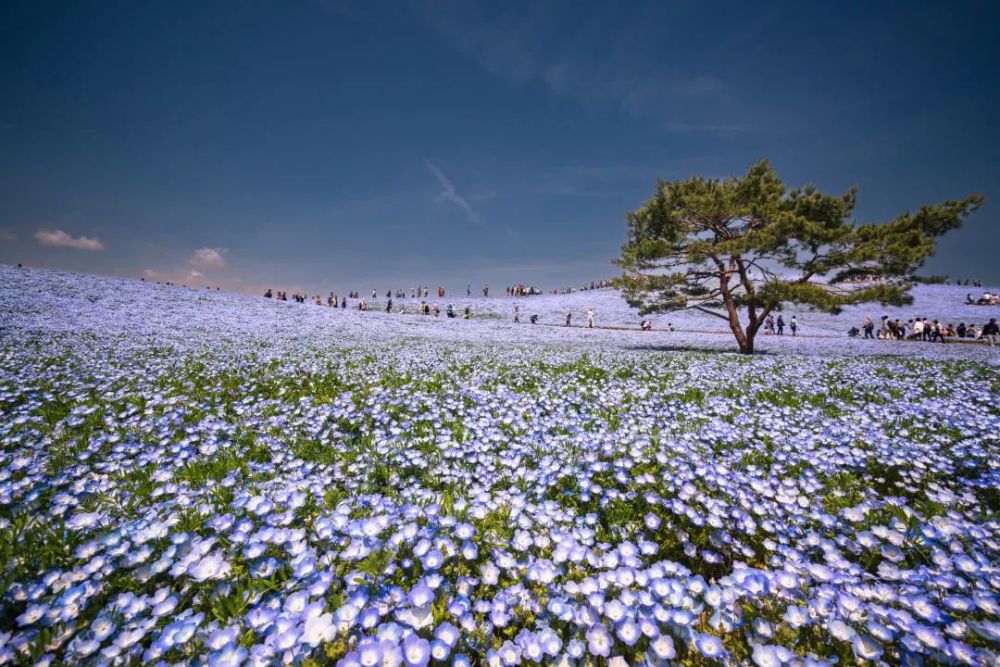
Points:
(336, 145)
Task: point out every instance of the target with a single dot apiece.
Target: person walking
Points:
(517, 314)
(991, 331)
(869, 327)
(781, 325)
(590, 318)
(569, 317)
(793, 325)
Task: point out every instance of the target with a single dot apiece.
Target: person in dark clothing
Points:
(267, 294)
(388, 306)
(991, 331)
(343, 303)
(534, 319)
(781, 325)
(869, 327)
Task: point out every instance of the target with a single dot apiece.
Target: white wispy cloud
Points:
(180, 276)
(449, 193)
(57, 237)
(208, 258)
(602, 59)
(710, 128)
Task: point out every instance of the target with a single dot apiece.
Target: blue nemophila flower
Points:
(416, 651)
(318, 629)
(229, 656)
(599, 641)
(765, 655)
(708, 645)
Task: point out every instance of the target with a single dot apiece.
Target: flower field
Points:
(198, 477)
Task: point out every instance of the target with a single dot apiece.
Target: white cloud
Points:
(449, 193)
(605, 58)
(208, 258)
(182, 276)
(58, 237)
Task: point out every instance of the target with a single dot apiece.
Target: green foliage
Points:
(750, 243)
(929, 280)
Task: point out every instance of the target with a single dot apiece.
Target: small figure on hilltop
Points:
(590, 318)
(534, 319)
(268, 294)
(517, 314)
(569, 318)
(646, 325)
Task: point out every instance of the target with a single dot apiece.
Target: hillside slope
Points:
(46, 301)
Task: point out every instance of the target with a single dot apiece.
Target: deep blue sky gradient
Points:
(337, 145)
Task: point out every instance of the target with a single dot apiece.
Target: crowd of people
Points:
(923, 329)
(987, 299)
(522, 290)
(917, 329)
(592, 285)
(424, 292)
(775, 326)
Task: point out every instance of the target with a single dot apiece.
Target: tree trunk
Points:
(746, 347)
(744, 341)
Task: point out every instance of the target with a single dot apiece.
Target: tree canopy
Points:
(750, 244)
